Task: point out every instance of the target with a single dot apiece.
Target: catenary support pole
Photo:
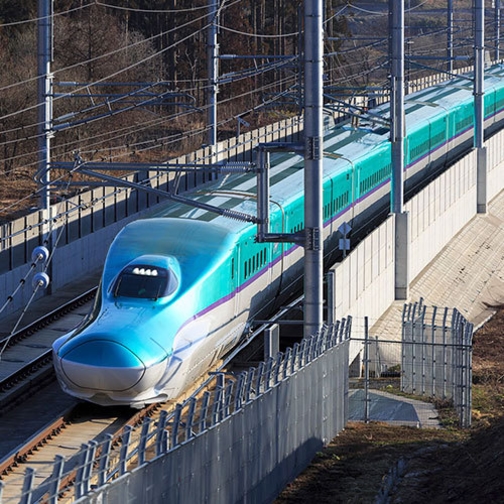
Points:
(479, 92)
(397, 128)
(45, 9)
(213, 87)
(449, 36)
(44, 96)
(313, 158)
(497, 20)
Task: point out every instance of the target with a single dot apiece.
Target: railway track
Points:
(38, 422)
(26, 361)
(41, 426)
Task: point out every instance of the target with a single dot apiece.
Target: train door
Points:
(235, 279)
(276, 251)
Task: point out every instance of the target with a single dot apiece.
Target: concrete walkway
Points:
(392, 409)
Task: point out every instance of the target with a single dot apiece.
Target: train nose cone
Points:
(102, 365)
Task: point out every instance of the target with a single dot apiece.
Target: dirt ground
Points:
(440, 465)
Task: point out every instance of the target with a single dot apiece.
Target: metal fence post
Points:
(204, 411)
(29, 478)
(88, 469)
(366, 371)
(278, 363)
(248, 385)
(161, 436)
(445, 362)
(189, 433)
(259, 378)
(124, 449)
(228, 396)
(217, 405)
(434, 353)
(59, 464)
(104, 459)
(142, 444)
(294, 358)
(79, 478)
(287, 363)
(240, 385)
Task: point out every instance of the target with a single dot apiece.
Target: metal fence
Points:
(433, 359)
(241, 442)
(437, 356)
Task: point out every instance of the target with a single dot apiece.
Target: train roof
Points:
(343, 144)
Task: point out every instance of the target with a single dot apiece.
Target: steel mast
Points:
(397, 131)
(479, 107)
(313, 161)
(44, 95)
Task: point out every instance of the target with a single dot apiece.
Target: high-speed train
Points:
(179, 288)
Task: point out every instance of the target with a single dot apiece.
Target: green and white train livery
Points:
(178, 289)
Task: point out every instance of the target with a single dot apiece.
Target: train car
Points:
(180, 287)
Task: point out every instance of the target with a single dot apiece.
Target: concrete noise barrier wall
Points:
(440, 211)
(363, 283)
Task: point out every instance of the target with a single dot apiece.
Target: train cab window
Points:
(145, 282)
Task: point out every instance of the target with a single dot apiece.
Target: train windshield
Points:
(145, 282)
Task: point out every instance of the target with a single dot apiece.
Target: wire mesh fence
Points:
(432, 360)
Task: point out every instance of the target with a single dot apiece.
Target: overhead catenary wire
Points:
(38, 256)
(34, 136)
(108, 76)
(152, 123)
(36, 19)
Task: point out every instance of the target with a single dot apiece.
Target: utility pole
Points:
(313, 161)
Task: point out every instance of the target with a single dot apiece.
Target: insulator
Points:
(40, 254)
(40, 280)
(237, 167)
